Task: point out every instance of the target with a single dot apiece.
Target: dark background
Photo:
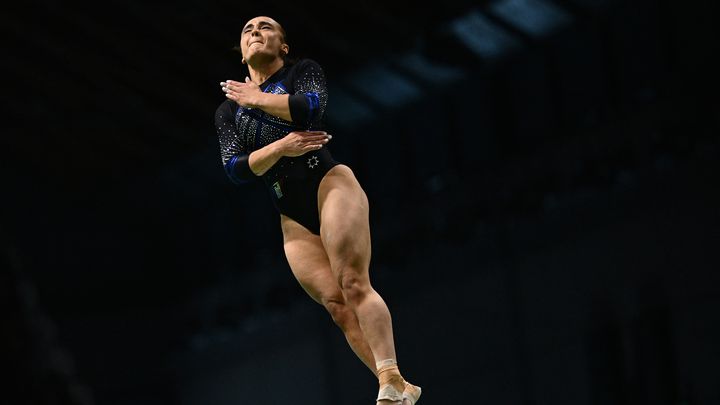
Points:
(543, 180)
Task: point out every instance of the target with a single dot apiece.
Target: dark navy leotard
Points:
(292, 182)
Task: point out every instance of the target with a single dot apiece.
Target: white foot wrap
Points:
(389, 393)
(411, 393)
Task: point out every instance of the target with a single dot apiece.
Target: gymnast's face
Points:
(262, 40)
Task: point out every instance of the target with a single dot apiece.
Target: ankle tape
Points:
(390, 375)
(384, 363)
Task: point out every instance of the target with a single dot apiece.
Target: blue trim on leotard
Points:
(313, 100)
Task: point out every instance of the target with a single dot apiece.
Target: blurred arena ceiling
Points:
(109, 88)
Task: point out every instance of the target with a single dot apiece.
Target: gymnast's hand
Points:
(301, 142)
(245, 94)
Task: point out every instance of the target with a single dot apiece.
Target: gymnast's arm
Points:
(275, 104)
(305, 108)
(293, 144)
(242, 167)
(249, 95)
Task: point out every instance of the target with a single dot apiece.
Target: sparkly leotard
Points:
(292, 182)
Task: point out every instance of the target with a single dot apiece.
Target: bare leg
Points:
(311, 267)
(345, 233)
(348, 323)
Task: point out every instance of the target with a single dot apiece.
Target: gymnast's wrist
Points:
(277, 149)
(260, 100)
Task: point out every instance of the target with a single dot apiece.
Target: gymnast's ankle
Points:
(391, 382)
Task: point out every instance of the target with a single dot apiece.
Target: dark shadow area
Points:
(542, 175)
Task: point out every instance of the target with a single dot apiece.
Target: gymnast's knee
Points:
(354, 287)
(339, 312)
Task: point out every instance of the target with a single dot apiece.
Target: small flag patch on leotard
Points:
(278, 192)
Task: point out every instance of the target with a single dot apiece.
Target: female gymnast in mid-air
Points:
(271, 126)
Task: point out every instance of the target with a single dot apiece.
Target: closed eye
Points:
(262, 25)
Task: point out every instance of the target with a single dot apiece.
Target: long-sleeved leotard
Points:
(293, 182)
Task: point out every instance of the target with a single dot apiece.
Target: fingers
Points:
(310, 141)
(232, 89)
(230, 86)
(313, 141)
(230, 94)
(318, 135)
(228, 90)
(300, 142)
(235, 86)
(308, 148)
(316, 138)
(229, 83)
(313, 134)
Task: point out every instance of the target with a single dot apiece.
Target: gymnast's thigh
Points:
(309, 262)
(344, 221)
